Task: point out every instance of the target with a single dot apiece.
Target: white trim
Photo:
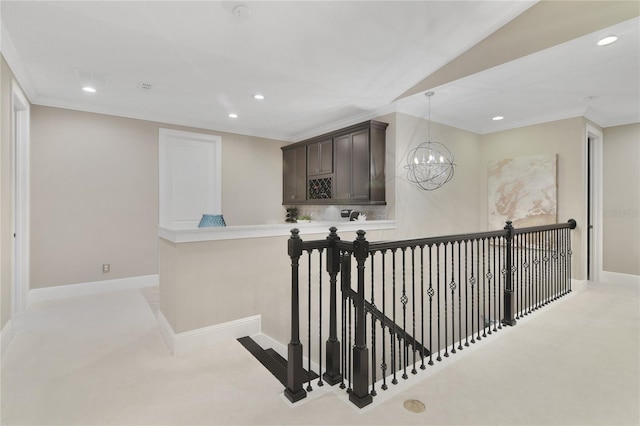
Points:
(12, 58)
(619, 278)
(40, 295)
(172, 142)
(5, 336)
(205, 337)
(166, 331)
(260, 231)
(596, 199)
(20, 124)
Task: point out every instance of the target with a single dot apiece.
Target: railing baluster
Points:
(509, 297)
(413, 306)
(360, 395)
(478, 278)
(332, 375)
(345, 286)
(520, 267)
(452, 286)
(404, 300)
(438, 295)
(383, 366)
(570, 252)
(501, 282)
(459, 298)
(430, 293)
(446, 319)
(495, 277)
(484, 287)
(373, 331)
(350, 345)
(294, 391)
(319, 320)
(422, 366)
(466, 294)
(554, 257)
(530, 272)
(309, 387)
(472, 281)
(393, 327)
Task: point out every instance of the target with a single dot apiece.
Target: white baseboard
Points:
(5, 336)
(616, 277)
(39, 295)
(207, 336)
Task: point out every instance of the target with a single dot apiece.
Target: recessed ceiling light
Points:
(498, 118)
(258, 96)
(233, 115)
(607, 40)
(89, 89)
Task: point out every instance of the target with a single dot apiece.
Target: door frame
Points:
(20, 158)
(171, 170)
(594, 171)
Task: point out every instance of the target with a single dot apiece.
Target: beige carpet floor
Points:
(100, 359)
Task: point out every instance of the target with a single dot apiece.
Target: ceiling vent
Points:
(145, 86)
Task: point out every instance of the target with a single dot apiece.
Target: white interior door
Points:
(190, 178)
(20, 196)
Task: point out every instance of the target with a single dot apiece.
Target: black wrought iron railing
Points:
(412, 302)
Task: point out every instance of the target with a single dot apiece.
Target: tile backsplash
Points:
(332, 213)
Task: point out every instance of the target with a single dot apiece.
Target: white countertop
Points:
(271, 230)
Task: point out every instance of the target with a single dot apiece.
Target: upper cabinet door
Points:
(294, 175)
(360, 161)
(342, 172)
(352, 166)
(320, 158)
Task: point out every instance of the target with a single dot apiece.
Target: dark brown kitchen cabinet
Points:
(294, 182)
(359, 164)
(342, 167)
(320, 158)
(352, 166)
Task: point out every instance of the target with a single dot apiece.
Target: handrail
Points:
(489, 279)
(570, 224)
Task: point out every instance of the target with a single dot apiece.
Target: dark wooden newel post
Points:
(360, 395)
(332, 375)
(294, 391)
(509, 295)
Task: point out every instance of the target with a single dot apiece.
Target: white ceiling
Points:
(321, 65)
(576, 78)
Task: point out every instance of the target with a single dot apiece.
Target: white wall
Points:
(95, 193)
(451, 209)
(567, 139)
(621, 199)
(6, 213)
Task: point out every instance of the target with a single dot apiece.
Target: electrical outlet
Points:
(106, 267)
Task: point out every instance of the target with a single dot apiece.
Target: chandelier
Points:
(430, 164)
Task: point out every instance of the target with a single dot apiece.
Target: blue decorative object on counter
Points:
(211, 220)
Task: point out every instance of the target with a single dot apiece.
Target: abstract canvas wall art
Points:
(522, 190)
